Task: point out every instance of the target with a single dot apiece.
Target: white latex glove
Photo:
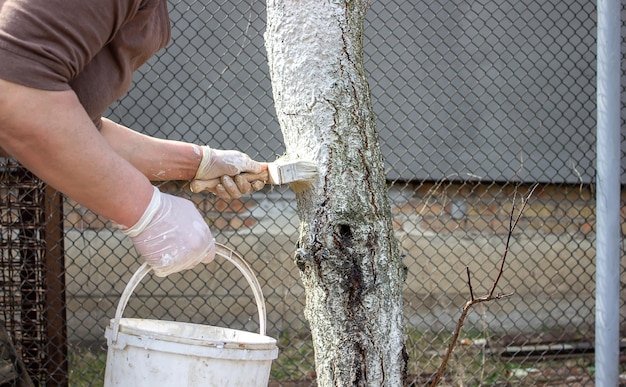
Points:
(227, 165)
(171, 235)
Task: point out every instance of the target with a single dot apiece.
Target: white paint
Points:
(303, 67)
(322, 103)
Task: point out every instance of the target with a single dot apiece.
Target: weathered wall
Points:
(492, 90)
(442, 229)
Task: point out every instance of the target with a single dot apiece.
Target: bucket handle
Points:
(221, 250)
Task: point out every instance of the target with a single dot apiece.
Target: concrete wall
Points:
(442, 229)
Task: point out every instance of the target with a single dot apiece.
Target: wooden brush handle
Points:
(202, 185)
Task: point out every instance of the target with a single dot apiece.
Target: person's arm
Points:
(160, 159)
(50, 133)
(157, 159)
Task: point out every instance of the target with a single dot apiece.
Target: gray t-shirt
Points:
(90, 46)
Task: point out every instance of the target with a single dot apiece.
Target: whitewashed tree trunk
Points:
(347, 254)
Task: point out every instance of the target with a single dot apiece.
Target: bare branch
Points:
(469, 283)
(490, 296)
(512, 226)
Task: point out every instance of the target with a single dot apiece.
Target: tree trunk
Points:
(347, 254)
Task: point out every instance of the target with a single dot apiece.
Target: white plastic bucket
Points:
(156, 353)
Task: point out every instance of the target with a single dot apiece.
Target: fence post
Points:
(608, 194)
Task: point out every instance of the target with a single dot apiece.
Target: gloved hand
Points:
(171, 235)
(227, 165)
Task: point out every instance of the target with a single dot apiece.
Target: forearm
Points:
(50, 134)
(157, 159)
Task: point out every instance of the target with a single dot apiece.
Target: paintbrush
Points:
(299, 174)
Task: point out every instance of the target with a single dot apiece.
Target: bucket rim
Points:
(128, 326)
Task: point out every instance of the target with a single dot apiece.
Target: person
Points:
(62, 63)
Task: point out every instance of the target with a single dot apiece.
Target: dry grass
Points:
(476, 361)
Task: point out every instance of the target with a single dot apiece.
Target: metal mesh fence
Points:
(32, 298)
(475, 101)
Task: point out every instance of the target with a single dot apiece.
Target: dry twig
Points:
(490, 296)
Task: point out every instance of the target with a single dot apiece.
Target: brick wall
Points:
(486, 208)
(449, 208)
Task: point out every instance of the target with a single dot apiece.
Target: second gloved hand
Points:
(171, 235)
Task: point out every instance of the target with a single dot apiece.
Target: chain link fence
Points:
(476, 102)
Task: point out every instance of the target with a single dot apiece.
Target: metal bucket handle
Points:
(220, 250)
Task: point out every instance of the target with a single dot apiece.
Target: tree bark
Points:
(347, 254)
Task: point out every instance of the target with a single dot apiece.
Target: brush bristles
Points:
(298, 174)
(301, 186)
